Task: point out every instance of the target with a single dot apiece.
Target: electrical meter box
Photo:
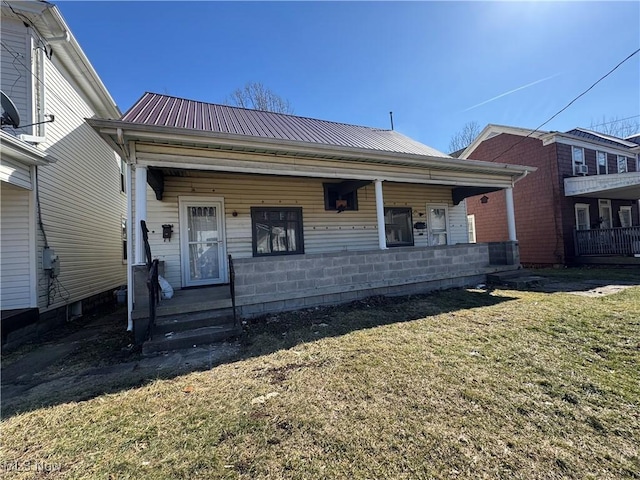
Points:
(50, 262)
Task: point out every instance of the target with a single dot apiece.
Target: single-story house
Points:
(302, 211)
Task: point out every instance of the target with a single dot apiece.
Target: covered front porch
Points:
(608, 246)
(273, 284)
(607, 229)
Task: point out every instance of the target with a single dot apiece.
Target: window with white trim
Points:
(625, 216)
(577, 155)
(471, 228)
(123, 222)
(583, 221)
(623, 167)
(604, 212)
(601, 160)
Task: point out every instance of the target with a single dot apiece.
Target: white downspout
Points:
(129, 248)
(130, 229)
(511, 216)
(382, 237)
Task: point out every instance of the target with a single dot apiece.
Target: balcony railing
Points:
(608, 241)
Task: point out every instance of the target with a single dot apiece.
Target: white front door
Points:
(202, 243)
(604, 209)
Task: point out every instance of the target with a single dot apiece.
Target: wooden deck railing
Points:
(608, 241)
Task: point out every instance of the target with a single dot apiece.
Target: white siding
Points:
(15, 70)
(81, 201)
(324, 231)
(15, 173)
(17, 288)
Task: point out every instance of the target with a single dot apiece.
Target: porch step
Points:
(515, 279)
(166, 307)
(192, 320)
(190, 338)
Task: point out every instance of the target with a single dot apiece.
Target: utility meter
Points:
(50, 262)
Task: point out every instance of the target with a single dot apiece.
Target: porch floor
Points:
(192, 300)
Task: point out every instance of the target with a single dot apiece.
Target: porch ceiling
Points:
(619, 186)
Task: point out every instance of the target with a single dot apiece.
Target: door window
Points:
(202, 241)
(625, 216)
(582, 216)
(438, 224)
(604, 211)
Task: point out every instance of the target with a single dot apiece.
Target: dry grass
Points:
(458, 384)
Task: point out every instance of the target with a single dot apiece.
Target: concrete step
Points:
(190, 338)
(515, 278)
(498, 277)
(192, 320)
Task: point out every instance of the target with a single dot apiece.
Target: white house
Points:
(310, 212)
(62, 197)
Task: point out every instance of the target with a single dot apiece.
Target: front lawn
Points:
(457, 384)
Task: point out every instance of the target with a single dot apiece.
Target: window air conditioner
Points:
(582, 169)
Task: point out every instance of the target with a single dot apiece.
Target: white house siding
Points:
(81, 200)
(15, 173)
(16, 237)
(324, 231)
(15, 71)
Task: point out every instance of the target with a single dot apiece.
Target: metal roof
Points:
(600, 137)
(162, 110)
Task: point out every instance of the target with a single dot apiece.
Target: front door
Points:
(202, 243)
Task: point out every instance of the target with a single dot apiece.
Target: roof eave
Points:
(554, 136)
(16, 149)
(292, 147)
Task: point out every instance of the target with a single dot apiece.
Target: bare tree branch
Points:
(256, 96)
(464, 137)
(617, 127)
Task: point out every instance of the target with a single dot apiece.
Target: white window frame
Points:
(575, 162)
(604, 203)
(606, 162)
(626, 164)
(582, 206)
(471, 228)
(625, 208)
(446, 222)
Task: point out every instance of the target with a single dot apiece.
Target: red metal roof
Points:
(163, 110)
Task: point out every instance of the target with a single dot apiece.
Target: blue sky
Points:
(434, 64)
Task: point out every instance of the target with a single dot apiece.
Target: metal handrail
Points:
(153, 284)
(232, 288)
(608, 241)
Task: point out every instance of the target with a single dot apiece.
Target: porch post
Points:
(382, 237)
(141, 211)
(511, 216)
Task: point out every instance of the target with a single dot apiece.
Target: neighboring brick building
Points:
(585, 181)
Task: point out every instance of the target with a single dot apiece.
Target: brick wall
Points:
(268, 284)
(536, 198)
